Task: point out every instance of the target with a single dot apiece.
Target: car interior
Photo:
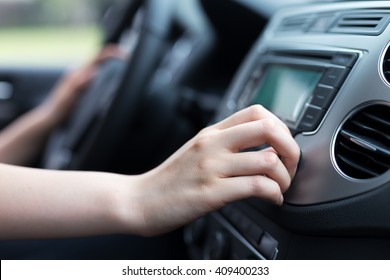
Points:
(322, 67)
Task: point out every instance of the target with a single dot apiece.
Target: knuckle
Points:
(268, 124)
(205, 165)
(271, 160)
(206, 130)
(256, 185)
(206, 168)
(205, 138)
(206, 185)
(256, 111)
(201, 142)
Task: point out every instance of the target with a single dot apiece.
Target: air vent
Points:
(364, 23)
(298, 23)
(362, 146)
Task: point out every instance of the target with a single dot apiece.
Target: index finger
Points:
(249, 114)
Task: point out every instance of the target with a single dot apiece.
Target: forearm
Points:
(56, 204)
(24, 138)
(207, 173)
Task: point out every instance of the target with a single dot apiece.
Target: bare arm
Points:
(49, 204)
(25, 137)
(204, 175)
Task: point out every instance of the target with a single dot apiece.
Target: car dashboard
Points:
(324, 69)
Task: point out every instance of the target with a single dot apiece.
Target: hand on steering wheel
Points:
(67, 92)
(110, 101)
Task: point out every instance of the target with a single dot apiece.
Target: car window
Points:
(49, 32)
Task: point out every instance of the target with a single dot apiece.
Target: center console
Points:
(325, 71)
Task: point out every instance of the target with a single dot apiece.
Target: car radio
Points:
(298, 87)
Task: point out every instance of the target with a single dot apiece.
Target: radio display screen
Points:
(284, 90)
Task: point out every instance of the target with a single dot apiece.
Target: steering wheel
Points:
(110, 103)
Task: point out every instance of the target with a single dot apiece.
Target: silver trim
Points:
(363, 144)
(380, 64)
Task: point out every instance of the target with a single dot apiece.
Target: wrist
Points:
(128, 203)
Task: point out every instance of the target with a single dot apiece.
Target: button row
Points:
(326, 91)
(265, 243)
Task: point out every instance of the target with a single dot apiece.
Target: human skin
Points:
(22, 140)
(205, 174)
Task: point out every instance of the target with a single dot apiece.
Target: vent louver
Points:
(361, 23)
(362, 146)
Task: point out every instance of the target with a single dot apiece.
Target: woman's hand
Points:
(204, 175)
(66, 93)
(209, 171)
(22, 140)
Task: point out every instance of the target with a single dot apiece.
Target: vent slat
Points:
(369, 129)
(368, 23)
(362, 146)
(381, 119)
(359, 22)
(362, 22)
(358, 167)
(349, 25)
(373, 19)
(366, 143)
(363, 158)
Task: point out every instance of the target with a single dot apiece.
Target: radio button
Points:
(268, 246)
(345, 59)
(311, 118)
(334, 77)
(323, 96)
(254, 233)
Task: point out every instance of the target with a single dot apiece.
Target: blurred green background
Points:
(50, 32)
(33, 46)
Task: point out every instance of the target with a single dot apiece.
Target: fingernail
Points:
(281, 199)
